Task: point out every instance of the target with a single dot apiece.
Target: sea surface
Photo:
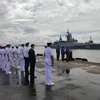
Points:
(90, 55)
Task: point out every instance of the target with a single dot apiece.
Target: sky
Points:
(37, 21)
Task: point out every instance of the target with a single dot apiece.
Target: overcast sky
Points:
(36, 21)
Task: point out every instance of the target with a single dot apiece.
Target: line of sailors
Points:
(63, 53)
(10, 56)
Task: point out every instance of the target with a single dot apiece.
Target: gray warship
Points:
(74, 44)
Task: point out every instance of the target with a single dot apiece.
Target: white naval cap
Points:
(16, 45)
(49, 41)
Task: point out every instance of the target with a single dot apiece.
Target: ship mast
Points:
(90, 38)
(69, 36)
(90, 41)
(60, 38)
(68, 31)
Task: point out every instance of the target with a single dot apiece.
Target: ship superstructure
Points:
(74, 44)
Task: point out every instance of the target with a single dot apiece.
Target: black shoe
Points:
(35, 76)
(26, 83)
(32, 92)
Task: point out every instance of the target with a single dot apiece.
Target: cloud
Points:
(30, 30)
(86, 37)
(38, 20)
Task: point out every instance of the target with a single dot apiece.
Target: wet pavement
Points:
(77, 85)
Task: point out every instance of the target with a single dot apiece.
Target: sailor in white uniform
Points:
(49, 62)
(16, 53)
(22, 62)
(3, 58)
(0, 56)
(8, 62)
(12, 56)
(26, 58)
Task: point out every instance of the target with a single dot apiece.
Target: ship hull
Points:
(78, 46)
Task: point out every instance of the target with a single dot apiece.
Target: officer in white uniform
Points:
(16, 53)
(8, 63)
(3, 58)
(12, 56)
(0, 56)
(22, 62)
(49, 62)
(26, 58)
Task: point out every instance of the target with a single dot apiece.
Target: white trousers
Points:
(48, 73)
(0, 62)
(8, 66)
(3, 63)
(16, 62)
(22, 64)
(12, 62)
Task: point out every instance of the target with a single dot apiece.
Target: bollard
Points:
(67, 71)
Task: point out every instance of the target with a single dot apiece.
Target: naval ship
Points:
(74, 44)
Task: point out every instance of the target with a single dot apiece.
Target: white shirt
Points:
(26, 50)
(0, 52)
(12, 52)
(8, 52)
(48, 53)
(16, 53)
(22, 52)
(3, 52)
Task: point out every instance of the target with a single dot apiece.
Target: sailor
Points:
(22, 62)
(6, 57)
(58, 52)
(16, 53)
(12, 56)
(3, 58)
(26, 58)
(0, 56)
(62, 53)
(8, 63)
(67, 54)
(49, 62)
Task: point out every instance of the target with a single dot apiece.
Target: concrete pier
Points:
(81, 83)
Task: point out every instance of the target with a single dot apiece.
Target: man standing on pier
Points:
(8, 63)
(22, 62)
(32, 60)
(62, 53)
(0, 56)
(26, 58)
(67, 54)
(58, 52)
(16, 53)
(49, 62)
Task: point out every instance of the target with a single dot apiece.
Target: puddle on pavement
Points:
(92, 66)
(14, 78)
(76, 75)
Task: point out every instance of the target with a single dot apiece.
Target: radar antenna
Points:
(60, 38)
(69, 36)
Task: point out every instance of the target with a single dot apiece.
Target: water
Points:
(90, 55)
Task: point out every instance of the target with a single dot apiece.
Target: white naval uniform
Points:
(8, 62)
(16, 53)
(3, 59)
(48, 68)
(12, 57)
(26, 50)
(0, 58)
(22, 62)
